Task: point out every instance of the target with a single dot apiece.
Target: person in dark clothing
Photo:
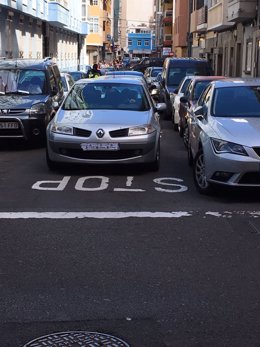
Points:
(94, 72)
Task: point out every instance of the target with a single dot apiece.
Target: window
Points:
(146, 43)
(130, 42)
(249, 47)
(84, 10)
(93, 2)
(139, 43)
(93, 25)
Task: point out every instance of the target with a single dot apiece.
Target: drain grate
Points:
(77, 339)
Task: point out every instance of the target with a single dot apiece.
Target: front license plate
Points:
(9, 125)
(96, 146)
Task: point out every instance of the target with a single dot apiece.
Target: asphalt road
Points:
(134, 254)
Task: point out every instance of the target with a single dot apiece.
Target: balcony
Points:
(84, 30)
(202, 19)
(241, 10)
(193, 21)
(217, 17)
(58, 14)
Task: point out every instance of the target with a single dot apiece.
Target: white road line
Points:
(99, 215)
(120, 215)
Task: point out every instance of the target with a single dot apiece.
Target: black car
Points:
(146, 62)
(31, 91)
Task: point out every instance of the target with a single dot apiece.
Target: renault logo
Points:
(100, 133)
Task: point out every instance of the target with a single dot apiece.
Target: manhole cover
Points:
(76, 339)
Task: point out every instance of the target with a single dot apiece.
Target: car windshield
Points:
(22, 81)
(155, 72)
(237, 101)
(77, 75)
(176, 74)
(108, 96)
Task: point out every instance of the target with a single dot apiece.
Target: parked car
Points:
(174, 70)
(30, 93)
(78, 75)
(151, 73)
(187, 102)
(224, 140)
(104, 70)
(106, 121)
(146, 62)
(127, 73)
(67, 82)
(175, 100)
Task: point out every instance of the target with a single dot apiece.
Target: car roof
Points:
(232, 82)
(26, 63)
(207, 78)
(124, 72)
(114, 79)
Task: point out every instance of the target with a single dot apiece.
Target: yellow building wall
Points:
(96, 38)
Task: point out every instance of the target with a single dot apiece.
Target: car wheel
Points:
(186, 136)
(52, 165)
(155, 165)
(201, 183)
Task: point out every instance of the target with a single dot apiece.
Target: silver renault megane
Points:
(106, 121)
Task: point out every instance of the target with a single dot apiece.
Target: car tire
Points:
(52, 165)
(155, 165)
(201, 183)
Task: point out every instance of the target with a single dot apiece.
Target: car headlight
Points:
(62, 129)
(37, 109)
(221, 146)
(142, 130)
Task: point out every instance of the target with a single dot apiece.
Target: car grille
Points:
(81, 132)
(257, 150)
(101, 155)
(119, 133)
(12, 112)
(250, 178)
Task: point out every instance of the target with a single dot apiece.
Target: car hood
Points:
(15, 101)
(85, 117)
(244, 131)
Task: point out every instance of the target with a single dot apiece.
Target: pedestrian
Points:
(94, 72)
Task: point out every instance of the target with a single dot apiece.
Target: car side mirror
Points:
(199, 112)
(176, 91)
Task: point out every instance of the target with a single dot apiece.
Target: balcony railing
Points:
(202, 19)
(241, 10)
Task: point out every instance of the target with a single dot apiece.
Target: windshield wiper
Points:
(19, 91)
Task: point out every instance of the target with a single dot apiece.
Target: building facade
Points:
(141, 41)
(226, 32)
(40, 28)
